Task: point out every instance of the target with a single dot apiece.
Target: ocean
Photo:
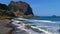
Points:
(45, 24)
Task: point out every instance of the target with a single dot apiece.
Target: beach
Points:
(34, 26)
(20, 27)
(29, 26)
(4, 29)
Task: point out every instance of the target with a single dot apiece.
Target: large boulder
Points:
(20, 8)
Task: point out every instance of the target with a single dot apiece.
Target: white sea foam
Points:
(22, 25)
(21, 18)
(30, 20)
(47, 21)
(42, 30)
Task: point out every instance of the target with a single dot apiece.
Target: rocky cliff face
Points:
(15, 9)
(20, 8)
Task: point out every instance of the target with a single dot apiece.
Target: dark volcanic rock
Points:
(21, 8)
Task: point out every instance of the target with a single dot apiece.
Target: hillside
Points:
(15, 9)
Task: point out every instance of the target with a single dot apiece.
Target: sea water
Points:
(49, 25)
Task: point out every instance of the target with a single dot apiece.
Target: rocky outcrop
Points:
(20, 8)
(15, 9)
(53, 15)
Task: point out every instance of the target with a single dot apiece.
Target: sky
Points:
(41, 7)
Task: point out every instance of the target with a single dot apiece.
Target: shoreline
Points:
(20, 27)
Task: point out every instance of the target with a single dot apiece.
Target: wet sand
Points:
(4, 29)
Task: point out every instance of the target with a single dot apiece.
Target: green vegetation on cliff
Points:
(15, 9)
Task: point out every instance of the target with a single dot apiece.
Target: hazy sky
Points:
(41, 7)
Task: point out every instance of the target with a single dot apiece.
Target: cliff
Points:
(15, 9)
(20, 8)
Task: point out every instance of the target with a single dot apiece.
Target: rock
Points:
(27, 26)
(53, 15)
(16, 9)
(21, 8)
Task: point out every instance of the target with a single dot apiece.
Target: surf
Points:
(19, 24)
